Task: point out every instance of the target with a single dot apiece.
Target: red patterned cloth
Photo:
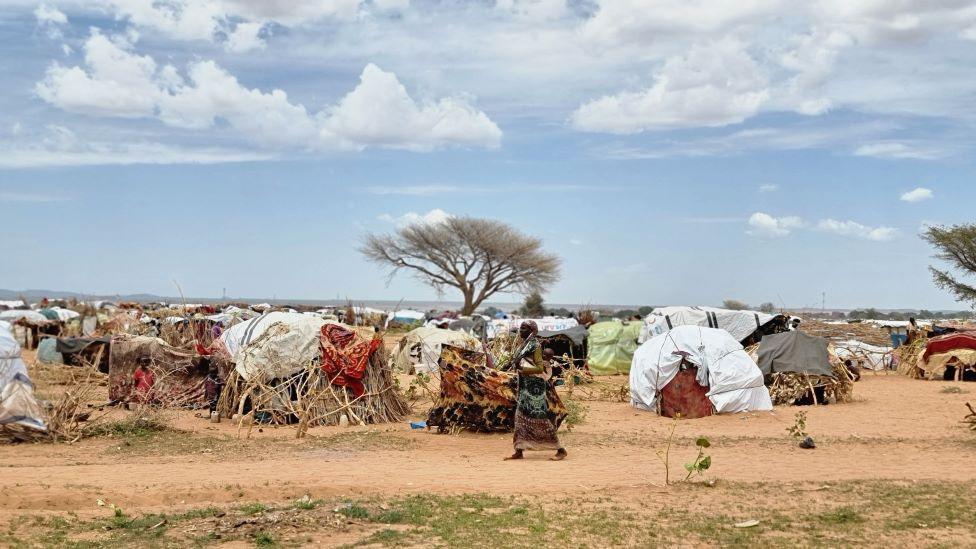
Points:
(949, 342)
(345, 355)
(685, 396)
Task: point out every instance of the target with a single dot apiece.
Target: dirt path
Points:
(897, 429)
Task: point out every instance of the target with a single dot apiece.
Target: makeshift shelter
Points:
(47, 351)
(80, 351)
(696, 358)
(478, 398)
(420, 349)
(863, 355)
(950, 357)
(18, 407)
(746, 327)
(571, 343)
(610, 347)
(178, 373)
(295, 368)
(799, 370)
(404, 316)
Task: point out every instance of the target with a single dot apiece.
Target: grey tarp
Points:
(794, 352)
(577, 334)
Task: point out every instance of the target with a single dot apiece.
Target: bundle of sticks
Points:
(970, 417)
(787, 388)
(910, 358)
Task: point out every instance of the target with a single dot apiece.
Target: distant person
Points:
(143, 380)
(533, 428)
(913, 331)
(212, 387)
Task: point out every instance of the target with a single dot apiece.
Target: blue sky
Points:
(670, 152)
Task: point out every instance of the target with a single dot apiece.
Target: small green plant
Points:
(420, 387)
(799, 427)
(265, 539)
(665, 455)
(307, 504)
(253, 508)
(702, 461)
(575, 413)
(354, 511)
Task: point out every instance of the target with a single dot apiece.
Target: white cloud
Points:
(765, 225)
(712, 85)
(854, 229)
(377, 113)
(891, 149)
(434, 216)
(575, 242)
(768, 188)
(917, 194)
(245, 37)
(49, 15)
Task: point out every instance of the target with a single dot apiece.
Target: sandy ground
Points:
(896, 429)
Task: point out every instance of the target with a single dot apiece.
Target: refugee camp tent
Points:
(179, 377)
(18, 407)
(571, 342)
(420, 348)
(404, 316)
(47, 351)
(79, 351)
(610, 347)
(743, 325)
(273, 345)
(734, 382)
(548, 323)
(24, 315)
(951, 356)
(794, 352)
(798, 370)
(863, 355)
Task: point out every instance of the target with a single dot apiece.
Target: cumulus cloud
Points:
(432, 217)
(917, 194)
(49, 15)
(764, 225)
(245, 37)
(713, 85)
(377, 113)
(768, 188)
(854, 229)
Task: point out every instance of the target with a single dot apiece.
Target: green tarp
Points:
(611, 347)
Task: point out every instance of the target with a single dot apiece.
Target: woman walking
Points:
(533, 428)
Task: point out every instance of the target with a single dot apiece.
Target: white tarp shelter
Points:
(734, 381)
(17, 403)
(273, 345)
(405, 316)
(14, 315)
(420, 349)
(862, 354)
(545, 324)
(741, 324)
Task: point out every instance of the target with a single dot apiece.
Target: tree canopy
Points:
(734, 305)
(955, 245)
(479, 257)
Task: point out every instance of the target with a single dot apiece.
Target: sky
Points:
(669, 151)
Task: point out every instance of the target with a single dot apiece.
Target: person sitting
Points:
(143, 380)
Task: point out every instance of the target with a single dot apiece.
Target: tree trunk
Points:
(469, 304)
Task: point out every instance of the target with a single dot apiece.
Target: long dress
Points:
(533, 428)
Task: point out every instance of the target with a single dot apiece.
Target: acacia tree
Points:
(479, 257)
(957, 246)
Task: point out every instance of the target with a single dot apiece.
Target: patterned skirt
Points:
(534, 429)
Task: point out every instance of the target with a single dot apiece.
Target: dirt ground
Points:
(897, 431)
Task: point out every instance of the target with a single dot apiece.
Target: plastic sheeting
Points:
(734, 381)
(795, 352)
(611, 346)
(17, 403)
(273, 345)
(863, 355)
(548, 324)
(420, 349)
(47, 351)
(741, 324)
(14, 315)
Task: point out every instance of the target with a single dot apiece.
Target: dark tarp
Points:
(794, 352)
(577, 334)
(50, 314)
(72, 345)
(85, 347)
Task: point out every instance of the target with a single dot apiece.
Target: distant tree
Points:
(491, 311)
(768, 307)
(625, 313)
(645, 310)
(734, 305)
(560, 312)
(479, 257)
(533, 307)
(955, 245)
